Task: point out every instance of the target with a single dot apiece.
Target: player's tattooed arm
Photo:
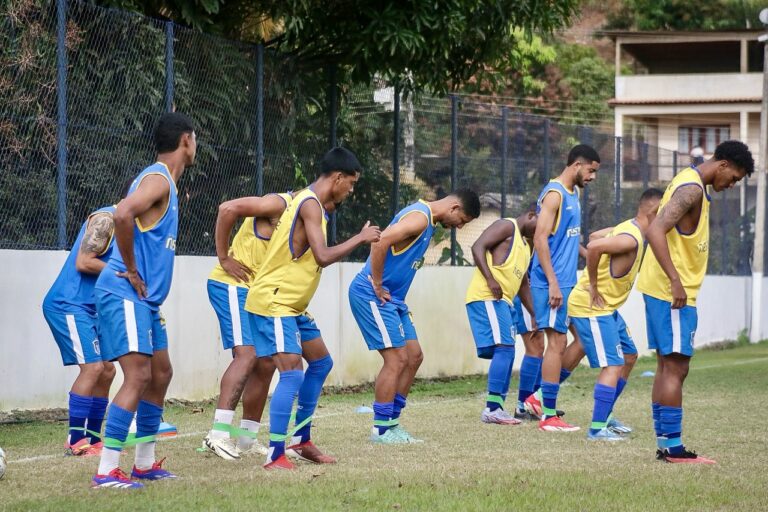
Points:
(682, 201)
(96, 240)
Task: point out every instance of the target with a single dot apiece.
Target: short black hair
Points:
(649, 195)
(533, 206)
(470, 203)
(737, 153)
(340, 160)
(169, 129)
(584, 152)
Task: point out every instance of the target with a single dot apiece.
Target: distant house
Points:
(686, 92)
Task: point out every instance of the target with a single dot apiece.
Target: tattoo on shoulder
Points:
(98, 234)
(681, 203)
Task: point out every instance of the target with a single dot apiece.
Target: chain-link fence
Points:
(81, 87)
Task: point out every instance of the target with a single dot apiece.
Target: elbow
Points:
(81, 267)
(226, 209)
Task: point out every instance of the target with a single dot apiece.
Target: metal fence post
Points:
(332, 114)
(617, 183)
(454, 163)
(547, 162)
(396, 151)
(169, 66)
(504, 149)
(644, 164)
(61, 122)
(260, 119)
(674, 163)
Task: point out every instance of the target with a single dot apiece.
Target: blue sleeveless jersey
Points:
(72, 292)
(154, 249)
(563, 241)
(399, 267)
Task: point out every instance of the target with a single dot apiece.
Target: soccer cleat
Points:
(156, 472)
(555, 424)
(685, 457)
(618, 427)
(167, 430)
(499, 417)
(605, 434)
(116, 479)
(532, 405)
(80, 448)
(281, 462)
(400, 431)
(523, 415)
(659, 454)
(388, 437)
(256, 448)
(310, 453)
(223, 447)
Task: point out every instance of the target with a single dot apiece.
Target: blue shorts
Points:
(600, 339)
(492, 323)
(383, 326)
(282, 334)
(627, 343)
(76, 334)
(670, 331)
(523, 323)
(126, 326)
(550, 318)
(228, 302)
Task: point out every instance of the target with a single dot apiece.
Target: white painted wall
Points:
(31, 375)
(708, 86)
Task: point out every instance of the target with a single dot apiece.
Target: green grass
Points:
(464, 465)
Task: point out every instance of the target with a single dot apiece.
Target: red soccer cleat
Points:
(310, 453)
(281, 462)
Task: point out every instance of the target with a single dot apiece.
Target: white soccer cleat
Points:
(224, 448)
(256, 448)
(499, 417)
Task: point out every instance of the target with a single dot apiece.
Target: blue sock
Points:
(309, 393)
(619, 388)
(398, 406)
(549, 391)
(530, 370)
(280, 410)
(498, 375)
(382, 415)
(537, 383)
(604, 397)
(671, 424)
(79, 407)
(96, 417)
(657, 423)
(116, 430)
(148, 419)
(508, 380)
(564, 374)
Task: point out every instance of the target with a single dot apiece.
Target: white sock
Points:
(145, 455)
(245, 442)
(222, 416)
(110, 459)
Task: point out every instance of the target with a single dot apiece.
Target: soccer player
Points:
(670, 280)
(377, 297)
(278, 298)
(613, 262)
(553, 271)
(129, 293)
(228, 286)
(69, 308)
(501, 255)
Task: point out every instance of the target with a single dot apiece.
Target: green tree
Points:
(686, 15)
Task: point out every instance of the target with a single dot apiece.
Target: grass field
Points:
(464, 465)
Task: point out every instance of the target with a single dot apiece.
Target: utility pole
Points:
(758, 258)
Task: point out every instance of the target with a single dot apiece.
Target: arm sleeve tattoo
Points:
(98, 234)
(679, 204)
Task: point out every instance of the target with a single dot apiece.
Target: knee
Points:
(415, 360)
(139, 377)
(630, 360)
(321, 366)
(108, 372)
(162, 374)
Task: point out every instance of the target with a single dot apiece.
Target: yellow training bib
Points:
(614, 288)
(286, 280)
(689, 251)
(509, 274)
(248, 247)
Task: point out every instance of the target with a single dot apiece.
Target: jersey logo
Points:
(416, 265)
(573, 232)
(170, 243)
(702, 246)
(96, 347)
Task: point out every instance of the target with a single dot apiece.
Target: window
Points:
(707, 137)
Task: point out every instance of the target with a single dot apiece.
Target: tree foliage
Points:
(686, 15)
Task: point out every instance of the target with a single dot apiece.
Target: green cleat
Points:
(400, 431)
(388, 437)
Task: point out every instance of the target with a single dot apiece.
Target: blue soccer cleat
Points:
(115, 479)
(604, 435)
(156, 472)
